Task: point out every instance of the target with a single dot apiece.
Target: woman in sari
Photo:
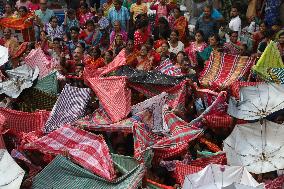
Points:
(95, 60)
(117, 31)
(91, 35)
(117, 45)
(181, 25)
(233, 46)
(141, 35)
(144, 60)
(28, 33)
(130, 53)
(8, 11)
(175, 44)
(258, 36)
(84, 14)
(196, 46)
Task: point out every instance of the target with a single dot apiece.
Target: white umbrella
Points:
(217, 176)
(4, 55)
(257, 102)
(11, 174)
(258, 147)
(242, 186)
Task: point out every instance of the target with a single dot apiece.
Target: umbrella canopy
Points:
(260, 148)
(4, 55)
(216, 176)
(257, 102)
(241, 186)
(11, 174)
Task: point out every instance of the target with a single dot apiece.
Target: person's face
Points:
(198, 37)
(242, 49)
(262, 27)
(180, 58)
(56, 44)
(71, 16)
(22, 12)
(43, 5)
(74, 35)
(42, 36)
(234, 12)
(143, 51)
(7, 33)
(281, 39)
(173, 36)
(108, 57)
(78, 54)
(138, 2)
(212, 41)
(8, 8)
(176, 13)
(165, 48)
(234, 38)
(54, 23)
(118, 40)
(100, 13)
(207, 12)
(130, 45)
(90, 27)
(116, 26)
(83, 9)
(117, 5)
(163, 2)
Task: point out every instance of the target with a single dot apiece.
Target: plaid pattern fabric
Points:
(17, 121)
(167, 67)
(69, 107)
(276, 183)
(114, 96)
(270, 58)
(2, 121)
(182, 170)
(34, 99)
(48, 84)
(203, 162)
(277, 75)
(221, 70)
(86, 149)
(37, 58)
(62, 173)
(155, 105)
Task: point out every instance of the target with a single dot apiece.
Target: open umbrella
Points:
(258, 147)
(216, 176)
(11, 174)
(257, 102)
(4, 55)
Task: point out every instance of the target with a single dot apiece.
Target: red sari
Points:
(192, 50)
(180, 25)
(140, 39)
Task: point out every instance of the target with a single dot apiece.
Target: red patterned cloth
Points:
(277, 183)
(114, 96)
(221, 70)
(203, 162)
(17, 121)
(2, 121)
(37, 58)
(182, 170)
(87, 149)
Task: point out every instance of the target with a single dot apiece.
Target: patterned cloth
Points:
(62, 173)
(2, 121)
(276, 183)
(168, 68)
(86, 149)
(54, 32)
(69, 107)
(183, 169)
(121, 15)
(221, 70)
(114, 96)
(270, 58)
(37, 58)
(155, 105)
(272, 11)
(236, 86)
(48, 84)
(17, 121)
(277, 75)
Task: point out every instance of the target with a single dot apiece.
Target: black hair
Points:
(74, 28)
(231, 32)
(200, 32)
(175, 31)
(141, 23)
(150, 41)
(71, 11)
(24, 8)
(216, 36)
(88, 22)
(53, 17)
(281, 34)
(83, 45)
(85, 5)
(110, 52)
(268, 34)
(57, 39)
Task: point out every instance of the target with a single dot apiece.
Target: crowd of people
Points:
(154, 35)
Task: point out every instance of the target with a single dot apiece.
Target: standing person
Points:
(21, 3)
(235, 23)
(181, 25)
(258, 36)
(206, 23)
(70, 20)
(120, 13)
(138, 8)
(85, 14)
(162, 9)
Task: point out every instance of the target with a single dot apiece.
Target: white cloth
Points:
(4, 55)
(212, 177)
(11, 174)
(241, 186)
(179, 47)
(257, 101)
(260, 148)
(235, 24)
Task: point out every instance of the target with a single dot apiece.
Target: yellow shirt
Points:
(138, 9)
